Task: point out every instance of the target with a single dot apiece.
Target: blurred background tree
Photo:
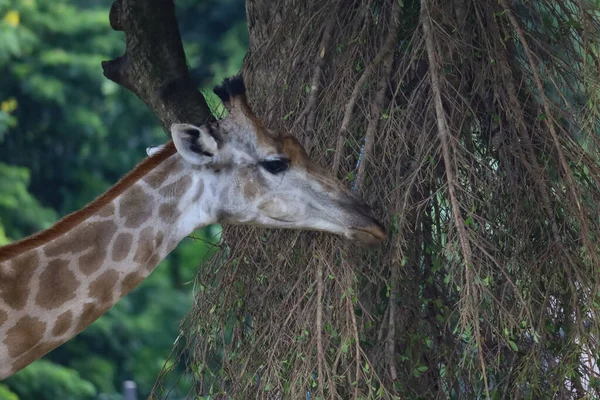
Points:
(66, 135)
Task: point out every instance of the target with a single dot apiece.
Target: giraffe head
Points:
(265, 177)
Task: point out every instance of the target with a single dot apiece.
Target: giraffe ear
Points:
(195, 144)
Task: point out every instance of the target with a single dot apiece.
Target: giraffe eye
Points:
(275, 166)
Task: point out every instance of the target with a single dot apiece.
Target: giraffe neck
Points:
(51, 292)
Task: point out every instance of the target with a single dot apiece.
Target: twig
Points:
(385, 50)
(204, 366)
(383, 324)
(357, 344)
(548, 120)
(444, 135)
(508, 80)
(320, 356)
(310, 109)
(290, 314)
(379, 97)
(391, 334)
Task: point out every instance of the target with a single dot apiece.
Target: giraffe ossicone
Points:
(55, 283)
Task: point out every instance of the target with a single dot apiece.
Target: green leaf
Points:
(442, 371)
(345, 347)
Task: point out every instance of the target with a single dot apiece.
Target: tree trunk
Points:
(471, 128)
(154, 66)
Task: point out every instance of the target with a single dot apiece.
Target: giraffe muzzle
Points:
(366, 228)
(370, 236)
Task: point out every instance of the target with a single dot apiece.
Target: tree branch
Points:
(154, 67)
(320, 353)
(385, 52)
(445, 138)
(551, 126)
(310, 111)
(382, 86)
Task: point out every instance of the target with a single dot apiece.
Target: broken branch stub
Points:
(154, 67)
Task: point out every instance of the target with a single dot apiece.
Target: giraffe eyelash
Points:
(275, 166)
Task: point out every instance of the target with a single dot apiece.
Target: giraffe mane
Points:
(70, 221)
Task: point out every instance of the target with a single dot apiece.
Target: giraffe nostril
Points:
(362, 208)
(366, 226)
(365, 210)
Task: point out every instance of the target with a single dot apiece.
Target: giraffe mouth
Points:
(287, 221)
(371, 236)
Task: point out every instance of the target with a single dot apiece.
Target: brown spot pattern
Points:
(176, 189)
(63, 323)
(107, 211)
(250, 190)
(158, 240)
(36, 352)
(57, 285)
(157, 177)
(90, 313)
(66, 224)
(92, 261)
(14, 282)
(3, 317)
(15, 277)
(102, 287)
(130, 282)
(269, 206)
(135, 207)
(92, 234)
(152, 262)
(168, 212)
(145, 247)
(24, 335)
(122, 246)
(199, 191)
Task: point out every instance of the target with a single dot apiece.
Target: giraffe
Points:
(55, 283)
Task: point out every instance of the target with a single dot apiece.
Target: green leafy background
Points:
(66, 135)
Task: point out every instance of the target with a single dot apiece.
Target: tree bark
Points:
(154, 66)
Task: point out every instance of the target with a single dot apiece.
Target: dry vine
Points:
(480, 127)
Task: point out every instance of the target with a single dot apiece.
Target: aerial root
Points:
(445, 138)
(390, 341)
(585, 234)
(320, 357)
(384, 53)
(308, 115)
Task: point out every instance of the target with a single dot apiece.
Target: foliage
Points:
(45, 380)
(480, 124)
(6, 394)
(20, 212)
(66, 135)
(69, 116)
(215, 38)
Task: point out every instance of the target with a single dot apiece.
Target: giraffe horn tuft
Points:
(235, 86)
(222, 93)
(230, 88)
